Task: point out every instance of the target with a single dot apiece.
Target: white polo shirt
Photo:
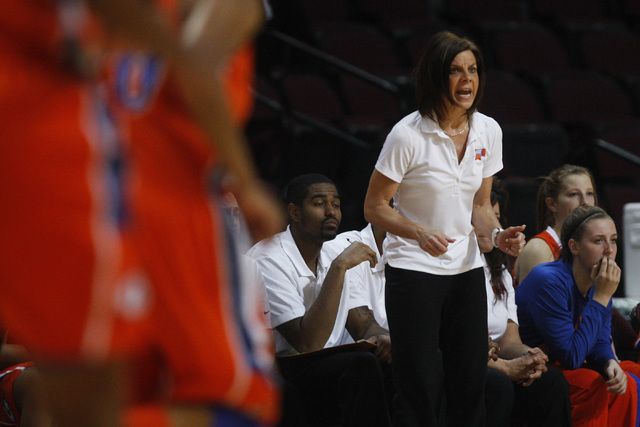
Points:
(500, 311)
(372, 279)
(292, 287)
(437, 191)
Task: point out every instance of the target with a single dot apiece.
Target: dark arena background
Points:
(563, 82)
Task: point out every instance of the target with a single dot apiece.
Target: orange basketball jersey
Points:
(205, 329)
(61, 193)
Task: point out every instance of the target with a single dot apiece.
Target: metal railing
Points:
(332, 60)
(290, 113)
(614, 149)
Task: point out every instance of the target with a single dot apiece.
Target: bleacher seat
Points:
(612, 167)
(562, 11)
(525, 48)
(532, 151)
(510, 99)
(414, 43)
(586, 98)
(363, 46)
(312, 94)
(369, 104)
(473, 13)
(612, 50)
(396, 15)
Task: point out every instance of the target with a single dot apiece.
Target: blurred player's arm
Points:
(204, 33)
(210, 32)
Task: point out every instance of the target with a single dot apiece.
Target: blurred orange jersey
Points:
(60, 198)
(208, 330)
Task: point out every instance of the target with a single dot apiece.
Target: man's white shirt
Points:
(292, 287)
(371, 278)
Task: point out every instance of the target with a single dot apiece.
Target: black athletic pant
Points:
(438, 326)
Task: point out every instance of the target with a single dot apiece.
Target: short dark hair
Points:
(550, 188)
(431, 76)
(573, 226)
(298, 187)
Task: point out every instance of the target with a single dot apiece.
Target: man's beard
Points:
(328, 235)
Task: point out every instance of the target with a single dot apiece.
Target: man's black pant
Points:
(346, 389)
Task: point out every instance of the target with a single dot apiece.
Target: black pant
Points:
(543, 403)
(345, 389)
(499, 398)
(439, 332)
(293, 414)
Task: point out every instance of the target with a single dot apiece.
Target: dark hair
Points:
(431, 76)
(500, 195)
(550, 187)
(298, 187)
(496, 259)
(574, 225)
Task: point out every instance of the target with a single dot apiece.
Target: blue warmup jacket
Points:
(552, 311)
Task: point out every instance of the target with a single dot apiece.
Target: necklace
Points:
(459, 132)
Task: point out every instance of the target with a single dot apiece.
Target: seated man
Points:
(312, 300)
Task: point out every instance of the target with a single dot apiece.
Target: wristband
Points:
(494, 236)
